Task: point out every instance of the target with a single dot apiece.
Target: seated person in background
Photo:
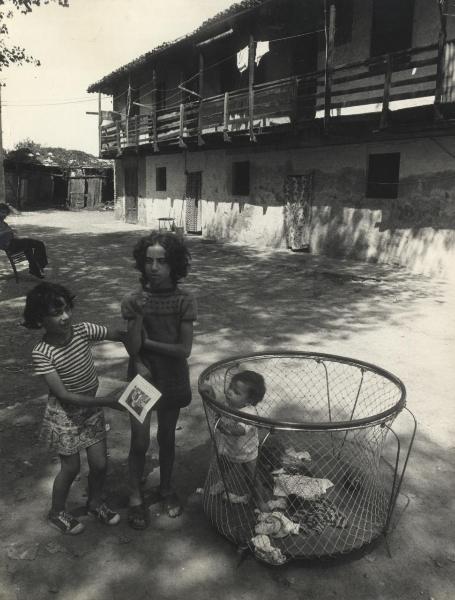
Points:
(237, 442)
(34, 250)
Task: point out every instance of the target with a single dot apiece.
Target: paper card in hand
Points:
(139, 397)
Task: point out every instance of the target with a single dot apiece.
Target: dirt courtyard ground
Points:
(249, 301)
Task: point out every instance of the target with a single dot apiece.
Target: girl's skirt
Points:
(68, 429)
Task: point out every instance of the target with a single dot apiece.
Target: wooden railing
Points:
(358, 87)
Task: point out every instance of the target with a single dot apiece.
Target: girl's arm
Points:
(181, 349)
(133, 337)
(58, 389)
(116, 335)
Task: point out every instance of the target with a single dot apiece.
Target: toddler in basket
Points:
(238, 442)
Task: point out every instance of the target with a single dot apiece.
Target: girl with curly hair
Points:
(160, 318)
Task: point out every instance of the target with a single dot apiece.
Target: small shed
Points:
(45, 177)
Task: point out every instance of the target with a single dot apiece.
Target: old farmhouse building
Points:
(318, 125)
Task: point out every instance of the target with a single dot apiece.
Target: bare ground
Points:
(248, 301)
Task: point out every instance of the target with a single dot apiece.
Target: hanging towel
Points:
(242, 59)
(261, 49)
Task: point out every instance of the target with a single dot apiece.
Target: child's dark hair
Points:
(5, 208)
(41, 300)
(255, 383)
(176, 254)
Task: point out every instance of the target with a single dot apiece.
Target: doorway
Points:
(192, 204)
(298, 191)
(131, 187)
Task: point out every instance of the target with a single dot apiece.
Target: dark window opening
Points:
(343, 21)
(383, 175)
(161, 183)
(241, 178)
(161, 95)
(391, 28)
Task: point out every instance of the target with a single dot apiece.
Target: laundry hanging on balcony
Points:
(242, 55)
(261, 49)
(242, 59)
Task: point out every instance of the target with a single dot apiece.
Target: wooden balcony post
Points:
(100, 120)
(251, 63)
(119, 141)
(442, 43)
(181, 126)
(137, 122)
(329, 51)
(386, 95)
(200, 139)
(226, 136)
(154, 114)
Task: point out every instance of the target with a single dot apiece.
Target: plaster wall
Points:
(415, 230)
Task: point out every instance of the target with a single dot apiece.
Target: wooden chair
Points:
(15, 258)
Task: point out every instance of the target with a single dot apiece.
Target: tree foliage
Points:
(13, 54)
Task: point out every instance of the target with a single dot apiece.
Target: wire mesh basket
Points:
(328, 466)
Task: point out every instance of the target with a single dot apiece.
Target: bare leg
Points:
(69, 468)
(167, 422)
(97, 461)
(140, 441)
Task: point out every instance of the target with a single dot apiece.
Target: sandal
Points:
(171, 504)
(137, 517)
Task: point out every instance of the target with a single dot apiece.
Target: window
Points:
(391, 28)
(241, 178)
(160, 97)
(161, 183)
(383, 175)
(343, 21)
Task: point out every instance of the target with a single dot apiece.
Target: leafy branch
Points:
(13, 54)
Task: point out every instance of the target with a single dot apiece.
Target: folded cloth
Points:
(308, 488)
(275, 524)
(264, 550)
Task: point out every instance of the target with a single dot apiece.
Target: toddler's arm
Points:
(59, 390)
(229, 427)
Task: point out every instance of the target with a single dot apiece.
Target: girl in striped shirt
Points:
(73, 418)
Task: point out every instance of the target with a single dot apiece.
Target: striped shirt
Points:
(73, 361)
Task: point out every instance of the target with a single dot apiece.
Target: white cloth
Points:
(242, 59)
(308, 488)
(261, 49)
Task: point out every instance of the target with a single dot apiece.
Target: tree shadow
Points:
(248, 301)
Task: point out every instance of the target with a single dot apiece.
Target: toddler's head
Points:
(246, 388)
(176, 256)
(44, 301)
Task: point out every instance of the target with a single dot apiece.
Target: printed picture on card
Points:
(139, 397)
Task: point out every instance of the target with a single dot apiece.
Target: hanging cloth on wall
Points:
(261, 49)
(242, 59)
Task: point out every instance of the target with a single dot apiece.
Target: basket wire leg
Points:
(398, 477)
(353, 409)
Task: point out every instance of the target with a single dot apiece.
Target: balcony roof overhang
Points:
(209, 29)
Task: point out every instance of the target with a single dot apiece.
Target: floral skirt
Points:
(69, 429)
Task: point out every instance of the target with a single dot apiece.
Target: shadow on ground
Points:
(248, 301)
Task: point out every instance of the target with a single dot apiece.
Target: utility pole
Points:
(2, 170)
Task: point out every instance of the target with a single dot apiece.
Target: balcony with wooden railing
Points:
(416, 76)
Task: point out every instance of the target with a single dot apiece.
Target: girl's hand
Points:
(137, 305)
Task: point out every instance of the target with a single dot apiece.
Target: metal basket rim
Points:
(306, 425)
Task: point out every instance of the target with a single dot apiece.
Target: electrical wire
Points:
(144, 89)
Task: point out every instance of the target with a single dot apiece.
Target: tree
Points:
(12, 54)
